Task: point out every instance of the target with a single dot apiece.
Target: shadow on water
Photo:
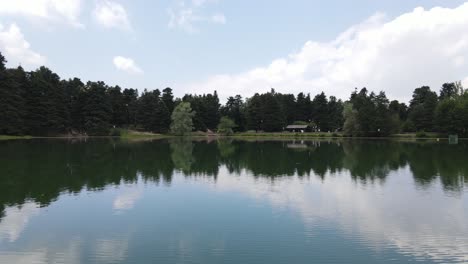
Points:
(40, 170)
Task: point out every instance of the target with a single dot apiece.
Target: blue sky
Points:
(232, 46)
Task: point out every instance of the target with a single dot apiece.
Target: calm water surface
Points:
(180, 201)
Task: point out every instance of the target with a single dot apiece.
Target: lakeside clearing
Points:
(131, 134)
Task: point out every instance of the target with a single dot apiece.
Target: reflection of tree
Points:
(226, 148)
(181, 154)
(40, 170)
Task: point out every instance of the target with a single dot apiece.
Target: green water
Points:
(181, 201)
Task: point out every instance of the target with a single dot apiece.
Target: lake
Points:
(229, 201)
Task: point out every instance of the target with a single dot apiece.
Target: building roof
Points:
(297, 127)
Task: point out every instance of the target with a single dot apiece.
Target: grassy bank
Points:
(311, 135)
(3, 137)
(288, 135)
(132, 134)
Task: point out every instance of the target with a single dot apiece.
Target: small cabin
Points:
(298, 128)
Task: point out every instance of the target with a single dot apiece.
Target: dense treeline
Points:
(40, 103)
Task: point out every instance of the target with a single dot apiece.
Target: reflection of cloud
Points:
(70, 255)
(128, 195)
(127, 199)
(111, 251)
(24, 258)
(392, 215)
(15, 220)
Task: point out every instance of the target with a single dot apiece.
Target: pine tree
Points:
(168, 99)
(422, 108)
(118, 106)
(273, 120)
(320, 113)
(45, 101)
(255, 113)
(74, 91)
(97, 109)
(211, 113)
(12, 87)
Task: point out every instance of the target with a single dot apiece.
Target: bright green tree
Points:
(226, 126)
(182, 116)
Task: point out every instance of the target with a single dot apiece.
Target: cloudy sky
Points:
(243, 47)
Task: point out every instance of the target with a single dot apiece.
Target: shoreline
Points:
(268, 136)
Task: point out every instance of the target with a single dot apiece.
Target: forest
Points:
(40, 103)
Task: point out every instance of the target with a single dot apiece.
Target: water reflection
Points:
(40, 171)
(383, 195)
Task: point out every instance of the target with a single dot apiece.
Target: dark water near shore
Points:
(182, 201)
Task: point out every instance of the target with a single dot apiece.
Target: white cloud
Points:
(127, 65)
(465, 83)
(422, 47)
(186, 14)
(111, 15)
(16, 49)
(54, 10)
(219, 18)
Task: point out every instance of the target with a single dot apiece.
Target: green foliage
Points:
(168, 99)
(45, 104)
(451, 115)
(13, 85)
(320, 112)
(226, 126)
(116, 132)
(369, 115)
(153, 114)
(235, 109)
(39, 103)
(207, 109)
(182, 116)
(303, 107)
(273, 117)
(422, 108)
(351, 124)
(97, 109)
(118, 106)
(421, 134)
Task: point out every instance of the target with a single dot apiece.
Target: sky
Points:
(243, 47)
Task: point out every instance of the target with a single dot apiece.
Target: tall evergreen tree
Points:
(74, 91)
(168, 99)
(45, 101)
(130, 100)
(255, 113)
(153, 114)
(288, 107)
(235, 110)
(320, 113)
(273, 117)
(303, 108)
(13, 83)
(97, 109)
(118, 106)
(422, 108)
(448, 90)
(211, 114)
(335, 114)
